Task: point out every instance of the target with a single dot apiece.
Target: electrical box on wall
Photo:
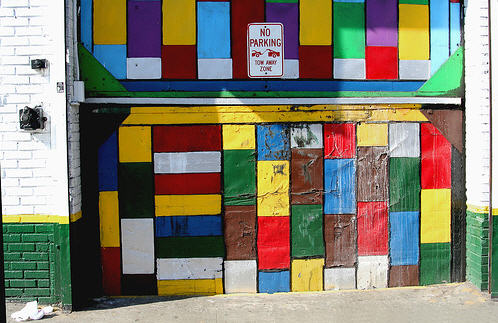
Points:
(31, 118)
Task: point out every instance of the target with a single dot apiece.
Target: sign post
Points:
(265, 50)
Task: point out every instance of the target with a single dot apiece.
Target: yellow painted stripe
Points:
(75, 216)
(481, 209)
(273, 188)
(35, 218)
(171, 205)
(109, 22)
(190, 287)
(435, 216)
(372, 134)
(315, 18)
(239, 137)
(413, 32)
(179, 22)
(135, 144)
(307, 275)
(272, 116)
(109, 219)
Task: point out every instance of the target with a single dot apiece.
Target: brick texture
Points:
(29, 261)
(477, 249)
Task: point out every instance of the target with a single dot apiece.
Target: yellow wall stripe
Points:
(480, 209)
(171, 205)
(35, 218)
(190, 287)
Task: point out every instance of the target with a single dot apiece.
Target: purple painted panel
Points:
(288, 15)
(144, 28)
(382, 23)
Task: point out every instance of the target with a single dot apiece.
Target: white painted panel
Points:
(215, 68)
(339, 278)
(189, 268)
(291, 69)
(137, 245)
(240, 276)
(143, 68)
(414, 69)
(306, 136)
(404, 139)
(372, 272)
(190, 162)
(350, 69)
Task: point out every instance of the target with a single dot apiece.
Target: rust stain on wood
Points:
(307, 176)
(340, 240)
(373, 176)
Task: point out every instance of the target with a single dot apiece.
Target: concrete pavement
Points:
(441, 303)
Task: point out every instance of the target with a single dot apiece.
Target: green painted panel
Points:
(239, 175)
(136, 190)
(448, 80)
(96, 77)
(404, 184)
(435, 263)
(349, 30)
(414, 1)
(63, 265)
(307, 230)
(494, 259)
(187, 247)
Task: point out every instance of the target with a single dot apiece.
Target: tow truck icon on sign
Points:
(271, 53)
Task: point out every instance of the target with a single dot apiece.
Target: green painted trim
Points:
(63, 260)
(448, 80)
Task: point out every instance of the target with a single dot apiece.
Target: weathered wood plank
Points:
(274, 282)
(239, 174)
(372, 272)
(171, 205)
(373, 175)
(436, 158)
(404, 139)
(189, 268)
(404, 238)
(340, 240)
(306, 136)
(240, 276)
(240, 232)
(186, 138)
(307, 231)
(187, 162)
(137, 246)
(339, 278)
(307, 275)
(401, 276)
(340, 186)
(372, 229)
(273, 242)
(307, 176)
(340, 140)
(273, 188)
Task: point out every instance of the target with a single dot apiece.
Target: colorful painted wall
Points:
(216, 199)
(338, 47)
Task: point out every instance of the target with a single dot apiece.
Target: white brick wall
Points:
(477, 102)
(34, 164)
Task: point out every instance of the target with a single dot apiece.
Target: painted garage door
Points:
(211, 200)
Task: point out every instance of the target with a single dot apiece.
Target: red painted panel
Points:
(339, 140)
(372, 229)
(204, 183)
(111, 270)
(179, 62)
(436, 158)
(315, 62)
(273, 242)
(186, 138)
(382, 63)
(243, 13)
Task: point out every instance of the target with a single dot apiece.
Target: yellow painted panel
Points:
(273, 188)
(75, 216)
(413, 32)
(316, 22)
(135, 144)
(34, 218)
(171, 205)
(372, 134)
(190, 287)
(179, 22)
(239, 137)
(307, 275)
(109, 22)
(435, 216)
(109, 219)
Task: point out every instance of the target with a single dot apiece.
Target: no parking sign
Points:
(265, 50)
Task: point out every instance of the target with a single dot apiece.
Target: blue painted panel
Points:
(340, 186)
(86, 29)
(157, 86)
(273, 142)
(404, 238)
(455, 37)
(274, 282)
(213, 30)
(113, 58)
(440, 33)
(108, 164)
(189, 226)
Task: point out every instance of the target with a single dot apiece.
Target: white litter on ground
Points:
(31, 312)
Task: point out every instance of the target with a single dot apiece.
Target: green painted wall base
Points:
(37, 263)
(477, 249)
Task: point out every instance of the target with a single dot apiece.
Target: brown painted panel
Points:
(373, 176)
(240, 232)
(400, 276)
(340, 240)
(449, 123)
(306, 176)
